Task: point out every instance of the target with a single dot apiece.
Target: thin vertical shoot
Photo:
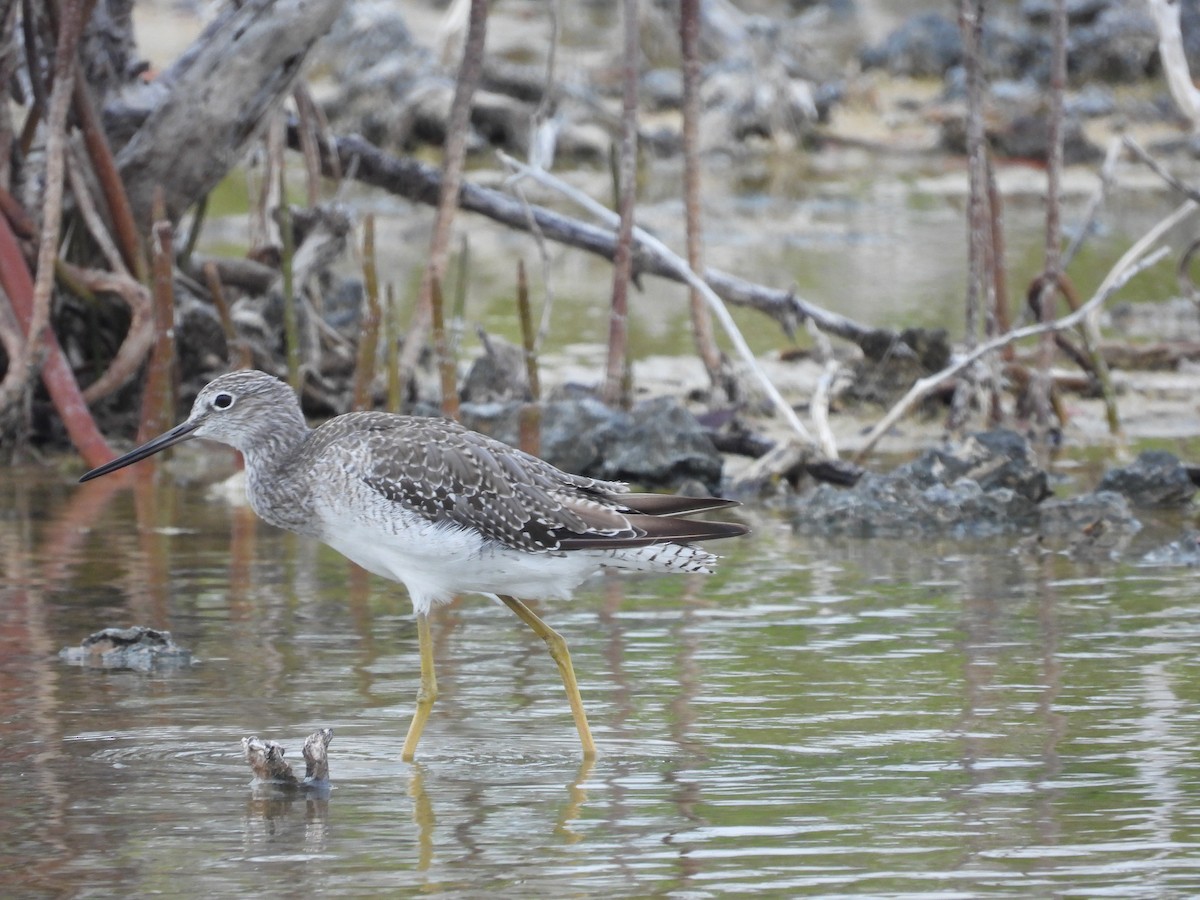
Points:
(291, 320)
(368, 333)
(158, 397)
(616, 390)
(530, 420)
(702, 326)
(447, 370)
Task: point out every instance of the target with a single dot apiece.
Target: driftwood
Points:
(215, 99)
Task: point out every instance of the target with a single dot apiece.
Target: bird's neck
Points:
(276, 491)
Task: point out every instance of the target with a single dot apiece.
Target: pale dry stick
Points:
(1166, 15)
(1158, 169)
(1108, 172)
(680, 270)
(306, 114)
(819, 405)
(1127, 266)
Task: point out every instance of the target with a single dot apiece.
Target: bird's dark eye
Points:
(222, 401)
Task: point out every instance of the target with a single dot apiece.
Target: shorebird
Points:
(441, 509)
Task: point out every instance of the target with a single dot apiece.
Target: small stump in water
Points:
(267, 762)
(138, 647)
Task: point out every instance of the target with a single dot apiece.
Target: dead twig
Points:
(1131, 263)
(447, 369)
(681, 272)
(530, 417)
(702, 328)
(617, 389)
(368, 333)
(819, 405)
(1052, 272)
(239, 354)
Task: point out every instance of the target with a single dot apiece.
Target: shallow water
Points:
(833, 718)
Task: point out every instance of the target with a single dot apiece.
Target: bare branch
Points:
(681, 272)
(1127, 266)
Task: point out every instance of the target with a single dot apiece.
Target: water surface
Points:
(821, 718)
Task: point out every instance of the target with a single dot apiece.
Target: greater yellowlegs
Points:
(441, 509)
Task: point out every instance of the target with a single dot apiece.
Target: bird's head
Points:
(246, 410)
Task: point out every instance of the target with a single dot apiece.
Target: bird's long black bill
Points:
(162, 442)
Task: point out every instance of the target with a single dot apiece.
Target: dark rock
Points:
(570, 435)
(1092, 102)
(986, 484)
(927, 45)
(1103, 510)
(199, 337)
(1121, 45)
(893, 361)
(658, 444)
(932, 346)
(139, 648)
(1018, 127)
(991, 459)
(662, 89)
(1028, 137)
(499, 375)
(1155, 479)
(1079, 12)
(1012, 50)
(835, 471)
(1183, 552)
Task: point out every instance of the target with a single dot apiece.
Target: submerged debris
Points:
(266, 760)
(138, 648)
(1155, 479)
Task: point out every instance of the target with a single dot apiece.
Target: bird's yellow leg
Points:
(426, 692)
(562, 657)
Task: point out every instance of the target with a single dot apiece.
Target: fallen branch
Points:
(420, 183)
(683, 273)
(1126, 267)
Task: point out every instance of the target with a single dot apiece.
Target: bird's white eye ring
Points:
(222, 401)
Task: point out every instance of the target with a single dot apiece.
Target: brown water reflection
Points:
(836, 717)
